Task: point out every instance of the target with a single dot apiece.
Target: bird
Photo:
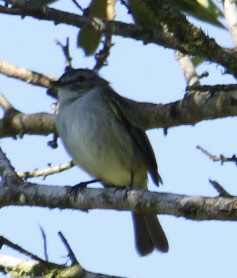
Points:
(104, 136)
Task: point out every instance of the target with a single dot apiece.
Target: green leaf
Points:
(204, 10)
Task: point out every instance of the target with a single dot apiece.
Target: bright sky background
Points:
(103, 240)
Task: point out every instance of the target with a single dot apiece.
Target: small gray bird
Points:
(104, 136)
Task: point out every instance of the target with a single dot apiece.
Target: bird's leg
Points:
(85, 183)
(126, 188)
(130, 186)
(131, 182)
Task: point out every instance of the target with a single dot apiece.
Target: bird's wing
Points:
(133, 125)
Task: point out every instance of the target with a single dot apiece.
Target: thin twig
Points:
(103, 54)
(124, 3)
(71, 254)
(4, 241)
(65, 49)
(220, 158)
(78, 6)
(45, 244)
(222, 192)
(203, 74)
(46, 172)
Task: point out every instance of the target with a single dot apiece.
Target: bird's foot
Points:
(127, 189)
(80, 186)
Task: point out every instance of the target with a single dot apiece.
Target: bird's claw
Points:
(76, 188)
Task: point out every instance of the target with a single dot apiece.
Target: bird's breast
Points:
(98, 142)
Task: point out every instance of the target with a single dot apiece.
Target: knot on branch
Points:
(189, 210)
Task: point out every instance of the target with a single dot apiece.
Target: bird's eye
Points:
(81, 78)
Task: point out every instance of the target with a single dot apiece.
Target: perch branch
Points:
(190, 207)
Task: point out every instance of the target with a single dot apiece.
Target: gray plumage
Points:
(104, 136)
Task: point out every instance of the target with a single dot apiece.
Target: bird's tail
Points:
(149, 234)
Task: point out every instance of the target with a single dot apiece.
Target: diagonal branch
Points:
(188, 69)
(26, 75)
(71, 254)
(200, 45)
(10, 266)
(4, 241)
(6, 169)
(46, 172)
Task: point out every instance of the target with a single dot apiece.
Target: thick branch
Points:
(32, 124)
(8, 264)
(197, 106)
(198, 208)
(210, 50)
(29, 268)
(194, 108)
(16, 123)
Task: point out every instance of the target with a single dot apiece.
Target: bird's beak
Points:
(52, 90)
(56, 83)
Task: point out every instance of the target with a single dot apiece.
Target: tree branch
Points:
(190, 75)
(32, 124)
(46, 172)
(30, 268)
(230, 11)
(71, 254)
(220, 158)
(6, 169)
(200, 45)
(196, 106)
(190, 207)
(16, 123)
(26, 75)
(4, 241)
(66, 52)
(220, 189)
